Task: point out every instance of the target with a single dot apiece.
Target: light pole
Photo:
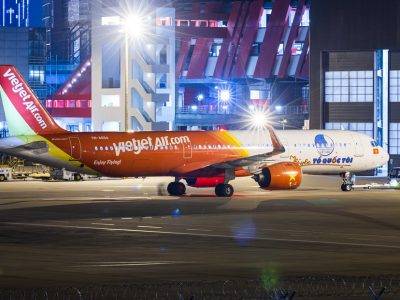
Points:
(126, 76)
(284, 122)
(133, 26)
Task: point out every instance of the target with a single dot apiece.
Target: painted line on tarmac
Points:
(151, 227)
(195, 229)
(96, 198)
(126, 218)
(132, 264)
(105, 224)
(303, 241)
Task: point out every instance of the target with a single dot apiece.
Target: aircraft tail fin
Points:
(24, 113)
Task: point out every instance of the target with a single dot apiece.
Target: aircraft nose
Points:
(384, 156)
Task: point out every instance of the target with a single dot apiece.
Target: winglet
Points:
(24, 113)
(276, 143)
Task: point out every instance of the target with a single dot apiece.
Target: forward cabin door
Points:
(187, 150)
(76, 149)
(358, 147)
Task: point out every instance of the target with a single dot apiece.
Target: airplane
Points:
(276, 160)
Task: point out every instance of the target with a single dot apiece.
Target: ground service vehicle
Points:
(5, 173)
(275, 159)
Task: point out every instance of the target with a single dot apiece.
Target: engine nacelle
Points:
(204, 182)
(280, 176)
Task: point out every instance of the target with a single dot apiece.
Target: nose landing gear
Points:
(348, 181)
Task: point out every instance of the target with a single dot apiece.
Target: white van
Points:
(5, 173)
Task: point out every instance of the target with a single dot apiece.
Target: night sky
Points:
(36, 13)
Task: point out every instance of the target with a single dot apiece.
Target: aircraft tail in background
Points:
(24, 113)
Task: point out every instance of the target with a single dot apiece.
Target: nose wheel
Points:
(224, 190)
(348, 182)
(176, 188)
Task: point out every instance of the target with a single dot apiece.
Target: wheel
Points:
(2, 177)
(224, 190)
(346, 187)
(176, 189)
(78, 177)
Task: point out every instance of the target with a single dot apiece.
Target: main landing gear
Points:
(224, 190)
(348, 181)
(176, 188)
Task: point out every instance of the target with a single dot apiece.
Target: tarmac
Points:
(130, 231)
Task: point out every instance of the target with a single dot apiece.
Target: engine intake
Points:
(280, 176)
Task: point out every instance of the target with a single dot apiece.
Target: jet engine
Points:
(280, 176)
(204, 182)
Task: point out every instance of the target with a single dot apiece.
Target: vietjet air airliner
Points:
(275, 159)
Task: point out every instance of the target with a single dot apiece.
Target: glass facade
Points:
(349, 86)
(111, 71)
(394, 138)
(394, 83)
(365, 128)
(14, 13)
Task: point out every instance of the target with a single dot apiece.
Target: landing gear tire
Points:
(176, 188)
(2, 177)
(346, 187)
(224, 190)
(348, 181)
(78, 177)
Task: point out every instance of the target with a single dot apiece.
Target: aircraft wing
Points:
(195, 168)
(277, 148)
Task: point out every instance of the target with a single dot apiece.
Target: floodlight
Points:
(225, 95)
(134, 25)
(200, 97)
(259, 119)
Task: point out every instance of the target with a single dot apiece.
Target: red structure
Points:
(253, 41)
(73, 99)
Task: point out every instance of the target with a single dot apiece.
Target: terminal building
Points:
(235, 56)
(355, 69)
(133, 65)
(200, 65)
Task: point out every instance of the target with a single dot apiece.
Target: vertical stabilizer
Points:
(25, 114)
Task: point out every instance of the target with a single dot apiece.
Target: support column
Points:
(381, 103)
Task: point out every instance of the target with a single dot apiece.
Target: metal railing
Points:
(203, 110)
(315, 287)
(4, 133)
(214, 109)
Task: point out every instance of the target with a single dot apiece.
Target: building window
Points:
(111, 21)
(255, 49)
(111, 126)
(297, 48)
(215, 50)
(305, 20)
(255, 94)
(365, 128)
(394, 138)
(110, 101)
(36, 74)
(394, 91)
(353, 86)
(73, 127)
(70, 103)
(110, 63)
(280, 49)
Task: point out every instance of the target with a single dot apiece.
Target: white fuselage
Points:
(320, 151)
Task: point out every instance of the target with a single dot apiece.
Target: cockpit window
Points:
(374, 144)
